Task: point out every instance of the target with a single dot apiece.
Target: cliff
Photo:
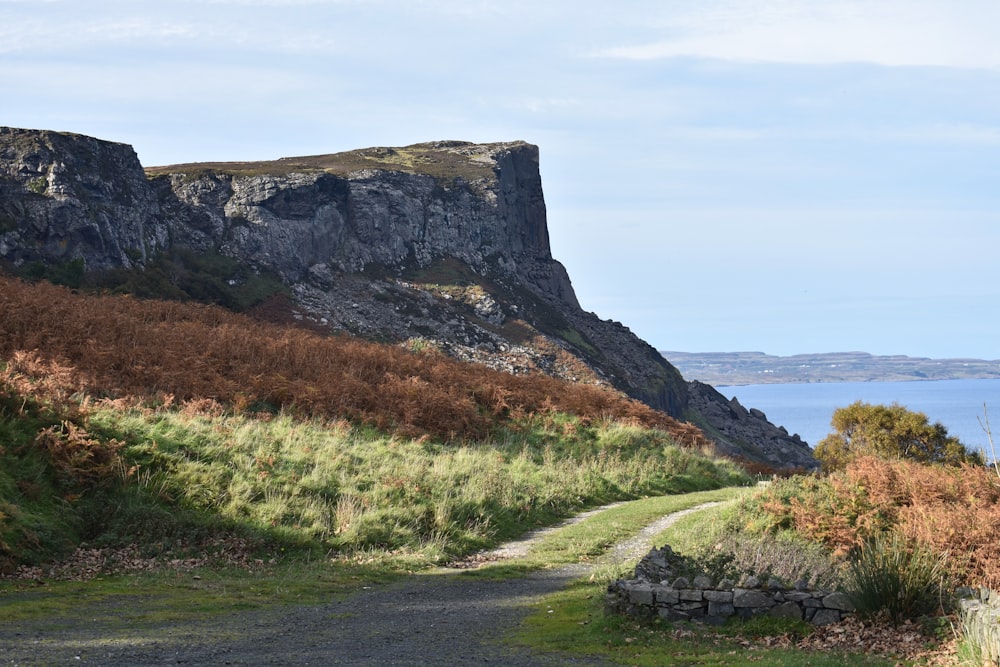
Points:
(441, 244)
(736, 368)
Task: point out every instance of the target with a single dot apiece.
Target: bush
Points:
(896, 577)
(889, 432)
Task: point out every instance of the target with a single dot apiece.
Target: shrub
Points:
(890, 432)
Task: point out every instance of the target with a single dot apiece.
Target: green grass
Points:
(573, 621)
(348, 488)
(168, 596)
(310, 486)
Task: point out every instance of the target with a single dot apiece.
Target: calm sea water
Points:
(806, 409)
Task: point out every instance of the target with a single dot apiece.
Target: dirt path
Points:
(441, 618)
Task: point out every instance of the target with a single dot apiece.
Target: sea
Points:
(806, 409)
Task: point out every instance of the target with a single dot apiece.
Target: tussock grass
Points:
(899, 578)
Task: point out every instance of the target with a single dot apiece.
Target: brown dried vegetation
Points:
(115, 347)
(955, 511)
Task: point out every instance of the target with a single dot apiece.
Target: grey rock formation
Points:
(69, 197)
(745, 432)
(443, 244)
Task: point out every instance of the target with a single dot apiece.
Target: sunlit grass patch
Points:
(348, 488)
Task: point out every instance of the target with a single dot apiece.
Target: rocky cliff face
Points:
(66, 196)
(442, 244)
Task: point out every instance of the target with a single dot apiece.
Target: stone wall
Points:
(980, 609)
(654, 591)
(701, 600)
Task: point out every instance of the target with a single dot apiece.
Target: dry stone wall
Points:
(980, 609)
(654, 591)
(701, 600)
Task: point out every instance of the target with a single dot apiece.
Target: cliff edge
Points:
(442, 244)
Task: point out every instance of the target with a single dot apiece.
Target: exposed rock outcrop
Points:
(443, 244)
(745, 431)
(67, 196)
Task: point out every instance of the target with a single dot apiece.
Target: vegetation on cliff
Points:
(444, 160)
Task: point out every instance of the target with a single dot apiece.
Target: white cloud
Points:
(959, 33)
(976, 135)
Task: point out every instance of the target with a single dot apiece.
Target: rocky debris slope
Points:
(441, 245)
(745, 432)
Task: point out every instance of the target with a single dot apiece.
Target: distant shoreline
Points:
(747, 368)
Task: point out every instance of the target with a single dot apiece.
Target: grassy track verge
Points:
(166, 596)
(589, 541)
(573, 620)
(169, 597)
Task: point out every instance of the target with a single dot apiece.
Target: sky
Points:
(779, 176)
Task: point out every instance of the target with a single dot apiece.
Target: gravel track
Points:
(439, 618)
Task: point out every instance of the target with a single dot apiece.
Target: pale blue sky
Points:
(721, 175)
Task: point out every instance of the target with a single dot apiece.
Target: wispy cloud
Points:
(945, 133)
(884, 32)
(70, 36)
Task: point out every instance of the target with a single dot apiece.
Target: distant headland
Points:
(739, 368)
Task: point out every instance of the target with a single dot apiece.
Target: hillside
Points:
(150, 351)
(737, 368)
(126, 421)
(438, 246)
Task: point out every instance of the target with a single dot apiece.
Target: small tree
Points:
(984, 422)
(889, 432)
